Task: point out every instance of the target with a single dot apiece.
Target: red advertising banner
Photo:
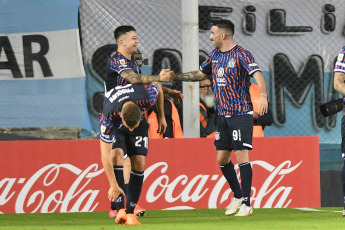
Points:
(67, 176)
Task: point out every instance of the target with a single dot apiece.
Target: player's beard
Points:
(208, 99)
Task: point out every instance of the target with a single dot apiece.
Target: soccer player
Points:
(121, 117)
(231, 67)
(339, 85)
(123, 69)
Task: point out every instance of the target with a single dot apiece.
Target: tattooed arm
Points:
(165, 75)
(196, 75)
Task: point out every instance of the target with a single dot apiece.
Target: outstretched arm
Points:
(114, 190)
(176, 94)
(166, 75)
(339, 84)
(162, 124)
(196, 75)
(263, 103)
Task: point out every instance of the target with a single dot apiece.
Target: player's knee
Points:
(222, 160)
(138, 165)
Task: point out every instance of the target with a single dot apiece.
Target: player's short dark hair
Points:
(121, 30)
(131, 114)
(225, 24)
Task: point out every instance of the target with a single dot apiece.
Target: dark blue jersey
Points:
(340, 63)
(115, 66)
(340, 67)
(109, 117)
(231, 73)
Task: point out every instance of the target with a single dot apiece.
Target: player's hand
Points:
(162, 125)
(176, 94)
(114, 193)
(263, 105)
(166, 75)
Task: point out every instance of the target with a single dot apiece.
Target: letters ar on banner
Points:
(67, 176)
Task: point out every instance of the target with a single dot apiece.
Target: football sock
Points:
(230, 175)
(120, 201)
(125, 189)
(134, 189)
(246, 174)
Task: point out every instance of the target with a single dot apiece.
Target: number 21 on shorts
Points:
(140, 139)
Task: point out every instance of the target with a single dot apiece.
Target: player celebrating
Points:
(123, 69)
(121, 116)
(339, 85)
(231, 67)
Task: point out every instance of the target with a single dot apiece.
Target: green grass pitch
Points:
(322, 218)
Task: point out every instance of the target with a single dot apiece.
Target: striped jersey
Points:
(115, 66)
(231, 73)
(109, 117)
(340, 67)
(340, 63)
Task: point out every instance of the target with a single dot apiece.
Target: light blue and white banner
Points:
(42, 79)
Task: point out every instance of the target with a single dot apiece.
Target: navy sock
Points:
(246, 181)
(125, 189)
(343, 181)
(120, 201)
(230, 175)
(134, 189)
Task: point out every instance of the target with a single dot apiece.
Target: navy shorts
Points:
(234, 133)
(132, 143)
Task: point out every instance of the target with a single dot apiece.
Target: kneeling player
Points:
(122, 116)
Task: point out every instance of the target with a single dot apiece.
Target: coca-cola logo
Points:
(187, 191)
(43, 191)
(67, 183)
(67, 188)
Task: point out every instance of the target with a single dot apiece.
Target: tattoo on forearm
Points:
(190, 76)
(136, 78)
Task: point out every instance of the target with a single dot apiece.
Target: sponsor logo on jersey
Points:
(119, 93)
(103, 128)
(124, 98)
(340, 57)
(221, 81)
(232, 63)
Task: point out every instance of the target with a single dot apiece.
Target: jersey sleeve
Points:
(118, 65)
(107, 126)
(153, 92)
(340, 63)
(247, 60)
(206, 66)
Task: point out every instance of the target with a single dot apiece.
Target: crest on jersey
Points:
(232, 63)
(220, 72)
(122, 62)
(340, 57)
(103, 128)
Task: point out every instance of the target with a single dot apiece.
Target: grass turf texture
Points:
(327, 218)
